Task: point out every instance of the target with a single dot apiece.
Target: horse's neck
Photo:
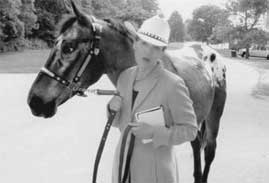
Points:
(113, 76)
(115, 72)
(116, 64)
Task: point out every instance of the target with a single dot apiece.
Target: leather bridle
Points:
(93, 51)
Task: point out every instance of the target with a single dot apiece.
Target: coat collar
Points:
(147, 84)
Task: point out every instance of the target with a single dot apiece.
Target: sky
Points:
(186, 7)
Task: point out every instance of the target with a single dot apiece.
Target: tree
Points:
(221, 33)
(254, 36)
(187, 36)
(11, 28)
(137, 11)
(49, 12)
(248, 13)
(55, 7)
(87, 6)
(150, 6)
(38, 19)
(118, 3)
(103, 8)
(259, 37)
(27, 16)
(132, 10)
(205, 18)
(177, 27)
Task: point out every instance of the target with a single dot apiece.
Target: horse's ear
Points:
(82, 18)
(75, 9)
(131, 29)
(68, 6)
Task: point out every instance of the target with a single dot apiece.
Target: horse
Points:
(87, 47)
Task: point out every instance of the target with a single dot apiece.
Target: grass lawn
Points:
(28, 61)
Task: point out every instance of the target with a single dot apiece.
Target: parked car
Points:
(256, 51)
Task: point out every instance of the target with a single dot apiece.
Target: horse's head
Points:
(85, 49)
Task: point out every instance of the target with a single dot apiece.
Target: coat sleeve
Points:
(116, 121)
(181, 109)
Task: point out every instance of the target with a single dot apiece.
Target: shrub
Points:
(11, 28)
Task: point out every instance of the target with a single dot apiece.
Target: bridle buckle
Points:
(96, 51)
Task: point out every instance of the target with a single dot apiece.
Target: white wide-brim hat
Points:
(155, 31)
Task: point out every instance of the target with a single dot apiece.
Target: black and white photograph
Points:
(134, 91)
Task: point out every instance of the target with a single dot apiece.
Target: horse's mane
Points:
(118, 25)
(115, 24)
(66, 22)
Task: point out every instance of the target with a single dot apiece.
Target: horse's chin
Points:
(46, 113)
(63, 101)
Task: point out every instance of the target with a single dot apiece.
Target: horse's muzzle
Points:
(40, 108)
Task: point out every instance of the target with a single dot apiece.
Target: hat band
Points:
(153, 36)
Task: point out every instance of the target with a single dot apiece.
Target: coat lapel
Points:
(148, 85)
(129, 90)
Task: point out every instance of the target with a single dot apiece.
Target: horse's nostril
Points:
(41, 108)
(36, 103)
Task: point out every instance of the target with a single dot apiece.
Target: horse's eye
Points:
(68, 48)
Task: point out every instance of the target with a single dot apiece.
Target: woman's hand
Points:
(142, 130)
(115, 103)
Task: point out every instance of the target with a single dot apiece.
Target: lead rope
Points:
(126, 132)
(101, 148)
(122, 149)
(128, 159)
(102, 144)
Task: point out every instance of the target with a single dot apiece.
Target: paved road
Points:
(62, 149)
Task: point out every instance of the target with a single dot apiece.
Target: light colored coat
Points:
(155, 162)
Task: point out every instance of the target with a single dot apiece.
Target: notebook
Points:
(153, 116)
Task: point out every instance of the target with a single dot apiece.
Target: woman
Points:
(143, 87)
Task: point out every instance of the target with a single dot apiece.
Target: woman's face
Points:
(147, 54)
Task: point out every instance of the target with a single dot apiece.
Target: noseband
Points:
(94, 50)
